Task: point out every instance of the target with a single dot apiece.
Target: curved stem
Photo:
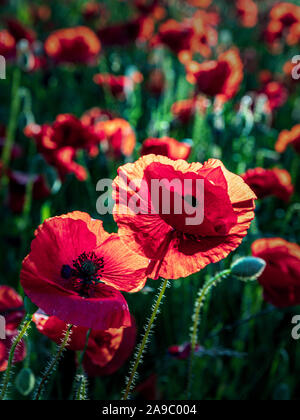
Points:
(81, 357)
(16, 341)
(141, 347)
(196, 321)
(54, 362)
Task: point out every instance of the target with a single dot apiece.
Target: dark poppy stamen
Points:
(86, 273)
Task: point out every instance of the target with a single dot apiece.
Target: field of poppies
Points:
(149, 187)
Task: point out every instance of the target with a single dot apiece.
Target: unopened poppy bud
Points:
(248, 268)
(25, 381)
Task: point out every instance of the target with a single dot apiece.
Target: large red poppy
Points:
(11, 307)
(107, 350)
(281, 278)
(75, 271)
(270, 182)
(221, 77)
(177, 248)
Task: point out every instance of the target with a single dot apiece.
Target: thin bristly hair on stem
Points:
(138, 357)
(6, 383)
(196, 318)
(50, 369)
(81, 388)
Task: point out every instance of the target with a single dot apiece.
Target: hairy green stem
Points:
(16, 341)
(54, 362)
(196, 322)
(141, 347)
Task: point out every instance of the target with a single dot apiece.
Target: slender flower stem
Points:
(81, 357)
(16, 341)
(141, 347)
(196, 321)
(53, 363)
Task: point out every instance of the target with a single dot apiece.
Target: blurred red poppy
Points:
(186, 109)
(270, 182)
(222, 77)
(11, 307)
(139, 29)
(284, 19)
(183, 351)
(281, 278)
(60, 142)
(177, 246)
(7, 44)
(118, 137)
(248, 12)
(276, 94)
(75, 271)
(107, 350)
(166, 146)
(119, 86)
(19, 31)
(287, 138)
(73, 45)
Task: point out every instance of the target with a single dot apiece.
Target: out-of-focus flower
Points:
(270, 182)
(19, 31)
(276, 93)
(281, 278)
(148, 389)
(222, 77)
(94, 11)
(183, 351)
(11, 307)
(287, 138)
(200, 3)
(95, 115)
(60, 142)
(137, 30)
(119, 86)
(107, 350)
(194, 35)
(7, 44)
(156, 83)
(118, 136)
(248, 12)
(73, 45)
(284, 20)
(177, 246)
(166, 146)
(150, 8)
(40, 13)
(18, 182)
(75, 271)
(186, 109)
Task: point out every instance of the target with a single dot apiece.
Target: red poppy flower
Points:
(118, 136)
(11, 307)
(138, 29)
(93, 10)
(119, 86)
(166, 146)
(107, 350)
(186, 109)
(18, 182)
(268, 182)
(73, 45)
(276, 93)
(283, 17)
(7, 44)
(75, 269)
(222, 77)
(281, 278)
(287, 138)
(248, 12)
(95, 115)
(194, 35)
(19, 31)
(60, 142)
(177, 245)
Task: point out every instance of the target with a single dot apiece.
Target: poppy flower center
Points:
(85, 274)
